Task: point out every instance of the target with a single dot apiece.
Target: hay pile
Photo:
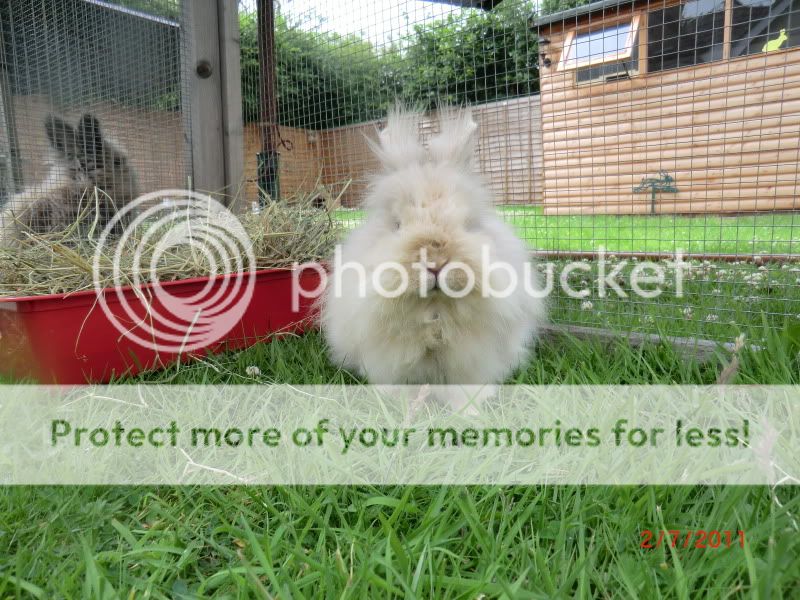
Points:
(282, 233)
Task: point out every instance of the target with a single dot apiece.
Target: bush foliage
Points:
(323, 79)
(549, 7)
(327, 80)
(473, 58)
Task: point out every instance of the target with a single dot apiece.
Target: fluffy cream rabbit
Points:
(82, 159)
(428, 201)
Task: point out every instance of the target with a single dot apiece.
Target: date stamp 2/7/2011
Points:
(692, 538)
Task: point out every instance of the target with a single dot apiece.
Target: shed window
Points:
(622, 69)
(685, 35)
(606, 45)
(764, 26)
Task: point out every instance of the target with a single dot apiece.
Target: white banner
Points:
(611, 435)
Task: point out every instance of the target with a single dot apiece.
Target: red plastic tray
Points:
(68, 339)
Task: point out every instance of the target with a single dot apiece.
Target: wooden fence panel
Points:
(509, 152)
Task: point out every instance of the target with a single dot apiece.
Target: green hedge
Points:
(553, 6)
(328, 80)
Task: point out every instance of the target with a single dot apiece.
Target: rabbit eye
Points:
(396, 225)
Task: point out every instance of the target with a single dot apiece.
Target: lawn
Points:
(775, 233)
(459, 542)
(411, 542)
(720, 299)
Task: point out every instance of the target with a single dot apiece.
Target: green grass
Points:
(410, 542)
(774, 233)
(563, 360)
(720, 299)
(415, 542)
(456, 542)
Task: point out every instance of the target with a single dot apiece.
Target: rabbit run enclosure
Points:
(615, 136)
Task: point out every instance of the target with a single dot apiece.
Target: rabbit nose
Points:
(437, 269)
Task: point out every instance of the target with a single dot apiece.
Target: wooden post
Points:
(268, 158)
(643, 36)
(11, 177)
(213, 94)
(726, 32)
(232, 118)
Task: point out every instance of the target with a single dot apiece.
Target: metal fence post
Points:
(268, 157)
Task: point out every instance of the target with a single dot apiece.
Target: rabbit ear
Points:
(457, 137)
(62, 136)
(398, 143)
(90, 139)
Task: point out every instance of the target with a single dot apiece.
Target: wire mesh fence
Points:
(640, 128)
(90, 94)
(685, 114)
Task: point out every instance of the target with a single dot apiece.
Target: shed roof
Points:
(578, 11)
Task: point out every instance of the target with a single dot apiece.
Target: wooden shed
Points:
(671, 107)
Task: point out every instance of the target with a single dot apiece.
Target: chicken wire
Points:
(118, 61)
(687, 110)
(675, 130)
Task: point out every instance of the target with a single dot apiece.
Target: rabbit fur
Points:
(82, 159)
(429, 198)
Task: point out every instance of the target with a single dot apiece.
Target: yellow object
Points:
(775, 44)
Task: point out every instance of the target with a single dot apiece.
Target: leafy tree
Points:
(554, 6)
(327, 80)
(475, 57)
(323, 79)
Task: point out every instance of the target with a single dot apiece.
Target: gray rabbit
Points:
(83, 159)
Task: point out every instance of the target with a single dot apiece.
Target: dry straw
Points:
(282, 233)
